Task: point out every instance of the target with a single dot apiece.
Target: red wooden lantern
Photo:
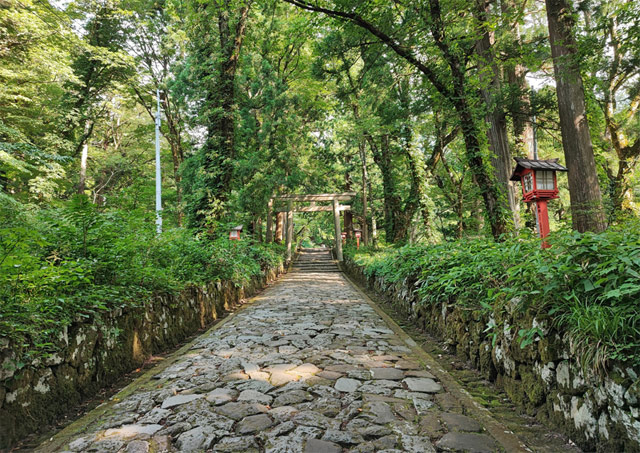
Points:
(539, 185)
(358, 234)
(234, 233)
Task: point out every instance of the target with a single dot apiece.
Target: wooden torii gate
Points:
(335, 198)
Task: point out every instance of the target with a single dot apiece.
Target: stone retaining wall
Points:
(599, 411)
(97, 352)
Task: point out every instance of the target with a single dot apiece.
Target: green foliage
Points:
(73, 261)
(307, 104)
(587, 285)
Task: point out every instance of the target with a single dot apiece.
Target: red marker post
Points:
(358, 236)
(539, 185)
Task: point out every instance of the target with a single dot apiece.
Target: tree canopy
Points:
(417, 106)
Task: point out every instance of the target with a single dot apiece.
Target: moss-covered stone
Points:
(533, 387)
(7, 427)
(100, 352)
(544, 378)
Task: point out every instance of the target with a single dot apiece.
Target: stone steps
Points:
(315, 261)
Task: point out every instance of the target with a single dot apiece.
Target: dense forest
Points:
(419, 107)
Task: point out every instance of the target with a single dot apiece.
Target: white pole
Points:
(158, 175)
(534, 128)
(535, 138)
(338, 231)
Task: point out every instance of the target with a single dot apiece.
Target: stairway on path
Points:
(315, 260)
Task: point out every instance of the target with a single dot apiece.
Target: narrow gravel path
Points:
(307, 367)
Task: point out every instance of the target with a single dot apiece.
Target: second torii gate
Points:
(335, 198)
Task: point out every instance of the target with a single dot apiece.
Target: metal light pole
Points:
(158, 174)
(534, 130)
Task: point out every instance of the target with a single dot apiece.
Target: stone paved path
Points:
(308, 367)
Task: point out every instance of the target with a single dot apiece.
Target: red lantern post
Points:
(539, 185)
(234, 233)
(358, 236)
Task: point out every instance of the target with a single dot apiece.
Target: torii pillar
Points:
(269, 237)
(289, 229)
(336, 222)
(279, 227)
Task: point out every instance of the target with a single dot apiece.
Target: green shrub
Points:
(587, 284)
(72, 261)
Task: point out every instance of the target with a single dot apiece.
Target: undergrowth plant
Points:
(62, 264)
(586, 286)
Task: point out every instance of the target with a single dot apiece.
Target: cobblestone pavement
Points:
(308, 367)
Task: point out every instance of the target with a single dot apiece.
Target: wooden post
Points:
(259, 229)
(269, 237)
(279, 227)
(365, 225)
(374, 230)
(336, 221)
(289, 229)
(284, 227)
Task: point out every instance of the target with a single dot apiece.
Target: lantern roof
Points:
(238, 228)
(534, 164)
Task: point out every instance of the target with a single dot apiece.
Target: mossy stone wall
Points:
(599, 411)
(97, 352)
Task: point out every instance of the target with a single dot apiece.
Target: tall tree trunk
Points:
(515, 73)
(494, 201)
(220, 141)
(348, 182)
(621, 192)
(491, 195)
(374, 230)
(84, 156)
(365, 177)
(490, 76)
(586, 200)
(479, 223)
(459, 208)
(258, 229)
(453, 193)
(174, 137)
(83, 167)
(176, 153)
(392, 204)
(522, 119)
(627, 151)
(414, 198)
(362, 151)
